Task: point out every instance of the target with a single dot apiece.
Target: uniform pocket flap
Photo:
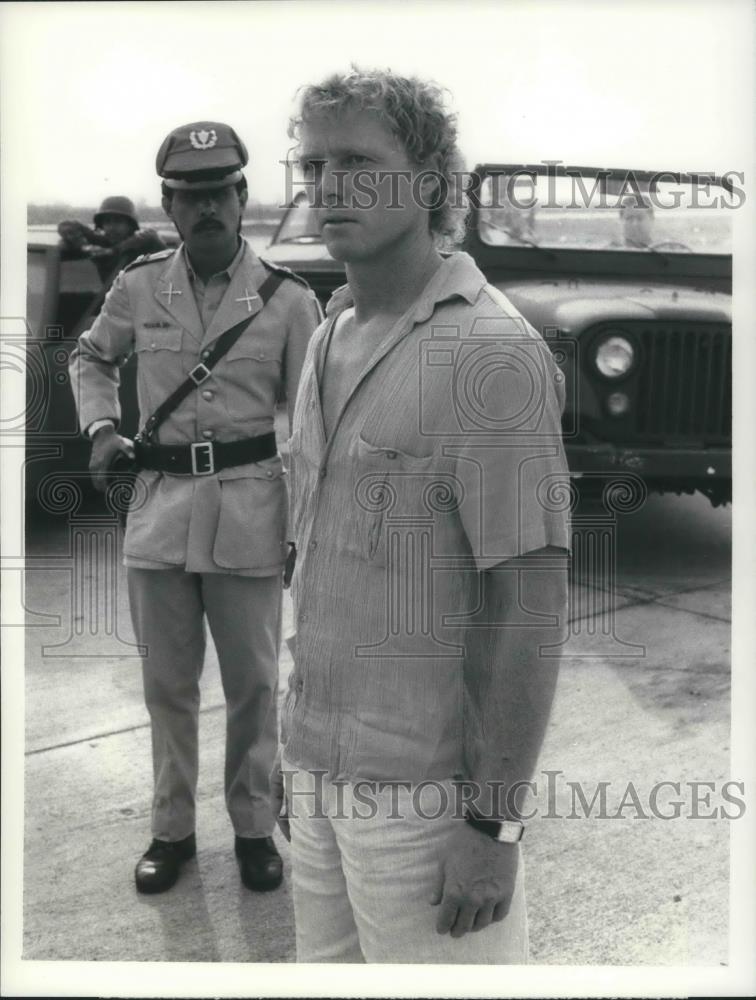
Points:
(250, 351)
(159, 339)
(269, 468)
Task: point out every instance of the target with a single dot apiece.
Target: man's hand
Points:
(278, 799)
(105, 446)
(74, 235)
(475, 883)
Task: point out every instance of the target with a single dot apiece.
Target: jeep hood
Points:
(575, 303)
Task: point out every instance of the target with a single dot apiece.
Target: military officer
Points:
(206, 533)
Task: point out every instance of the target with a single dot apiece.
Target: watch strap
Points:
(504, 831)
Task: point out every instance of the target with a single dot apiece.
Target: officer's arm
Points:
(305, 315)
(100, 352)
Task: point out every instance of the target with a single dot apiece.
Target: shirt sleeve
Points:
(305, 315)
(510, 463)
(94, 363)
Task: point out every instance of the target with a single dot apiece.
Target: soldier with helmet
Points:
(220, 336)
(116, 240)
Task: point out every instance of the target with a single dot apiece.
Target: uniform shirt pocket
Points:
(251, 530)
(158, 339)
(252, 373)
(159, 363)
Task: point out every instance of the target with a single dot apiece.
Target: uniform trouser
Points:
(365, 861)
(168, 609)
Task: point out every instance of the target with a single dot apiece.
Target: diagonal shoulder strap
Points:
(202, 371)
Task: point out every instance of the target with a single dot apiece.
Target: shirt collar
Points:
(458, 276)
(227, 272)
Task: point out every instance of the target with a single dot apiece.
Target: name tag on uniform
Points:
(157, 326)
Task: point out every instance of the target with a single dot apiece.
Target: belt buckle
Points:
(203, 458)
(199, 373)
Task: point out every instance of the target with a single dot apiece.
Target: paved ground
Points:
(601, 891)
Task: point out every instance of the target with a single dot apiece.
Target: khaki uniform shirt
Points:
(235, 520)
(446, 460)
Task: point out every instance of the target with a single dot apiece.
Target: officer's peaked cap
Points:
(201, 154)
(116, 204)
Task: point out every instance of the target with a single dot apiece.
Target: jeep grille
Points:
(685, 382)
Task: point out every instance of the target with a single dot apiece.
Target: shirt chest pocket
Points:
(252, 371)
(159, 363)
(396, 496)
(153, 341)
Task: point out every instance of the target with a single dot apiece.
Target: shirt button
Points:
(208, 394)
(269, 474)
(322, 473)
(299, 685)
(313, 544)
(152, 345)
(390, 454)
(205, 354)
(208, 434)
(303, 616)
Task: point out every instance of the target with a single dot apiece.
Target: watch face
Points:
(509, 832)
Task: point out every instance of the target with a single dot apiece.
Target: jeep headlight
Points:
(615, 357)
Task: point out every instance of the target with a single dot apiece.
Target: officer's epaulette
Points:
(149, 258)
(285, 272)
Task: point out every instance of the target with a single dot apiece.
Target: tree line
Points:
(46, 215)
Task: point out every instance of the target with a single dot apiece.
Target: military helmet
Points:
(201, 155)
(116, 204)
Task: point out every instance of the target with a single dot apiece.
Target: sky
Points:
(92, 89)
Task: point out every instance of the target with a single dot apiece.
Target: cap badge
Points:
(203, 139)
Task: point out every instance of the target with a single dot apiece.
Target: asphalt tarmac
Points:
(643, 698)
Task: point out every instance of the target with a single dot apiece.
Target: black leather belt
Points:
(205, 457)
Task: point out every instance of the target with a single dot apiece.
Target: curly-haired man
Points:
(430, 585)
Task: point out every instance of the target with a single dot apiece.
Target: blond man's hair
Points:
(416, 112)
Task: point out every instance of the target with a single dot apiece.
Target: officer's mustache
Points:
(207, 225)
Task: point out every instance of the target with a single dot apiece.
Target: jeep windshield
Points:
(298, 224)
(575, 208)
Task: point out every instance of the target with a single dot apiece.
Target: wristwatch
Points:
(504, 831)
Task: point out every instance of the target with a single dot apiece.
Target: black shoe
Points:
(260, 863)
(160, 866)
